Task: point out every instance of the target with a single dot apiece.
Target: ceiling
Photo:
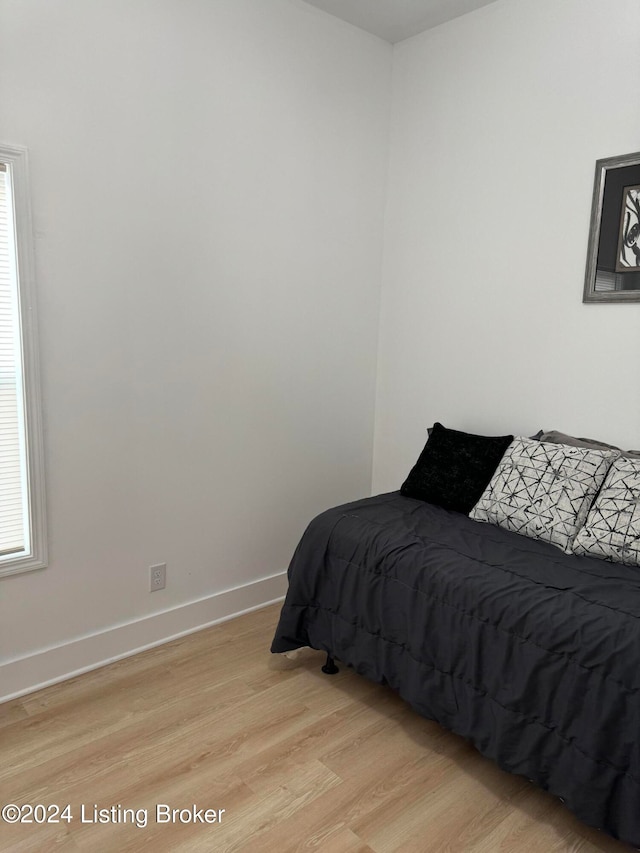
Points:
(394, 20)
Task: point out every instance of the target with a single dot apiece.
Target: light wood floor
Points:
(297, 759)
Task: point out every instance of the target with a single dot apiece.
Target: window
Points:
(22, 509)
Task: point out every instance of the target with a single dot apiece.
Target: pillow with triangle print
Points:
(544, 490)
(612, 529)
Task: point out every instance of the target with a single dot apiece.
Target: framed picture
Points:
(613, 256)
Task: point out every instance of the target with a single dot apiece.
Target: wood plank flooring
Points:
(298, 760)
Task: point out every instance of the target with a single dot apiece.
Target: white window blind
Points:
(22, 517)
(14, 532)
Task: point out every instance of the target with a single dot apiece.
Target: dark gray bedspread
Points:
(531, 654)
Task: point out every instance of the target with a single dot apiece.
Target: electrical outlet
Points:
(157, 577)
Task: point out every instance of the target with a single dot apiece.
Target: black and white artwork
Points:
(613, 256)
(628, 257)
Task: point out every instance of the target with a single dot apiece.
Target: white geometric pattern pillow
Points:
(544, 490)
(612, 528)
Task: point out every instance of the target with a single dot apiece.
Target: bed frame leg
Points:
(330, 667)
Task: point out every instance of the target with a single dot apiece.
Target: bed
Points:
(530, 653)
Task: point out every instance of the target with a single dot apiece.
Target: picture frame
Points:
(613, 254)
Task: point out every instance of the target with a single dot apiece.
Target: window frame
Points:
(16, 157)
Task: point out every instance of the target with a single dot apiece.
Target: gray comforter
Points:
(531, 654)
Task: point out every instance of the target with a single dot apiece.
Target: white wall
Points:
(498, 119)
(208, 188)
(207, 185)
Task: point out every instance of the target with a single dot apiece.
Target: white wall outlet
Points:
(157, 577)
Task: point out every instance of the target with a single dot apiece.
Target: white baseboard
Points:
(48, 666)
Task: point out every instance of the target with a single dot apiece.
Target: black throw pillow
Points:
(455, 468)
